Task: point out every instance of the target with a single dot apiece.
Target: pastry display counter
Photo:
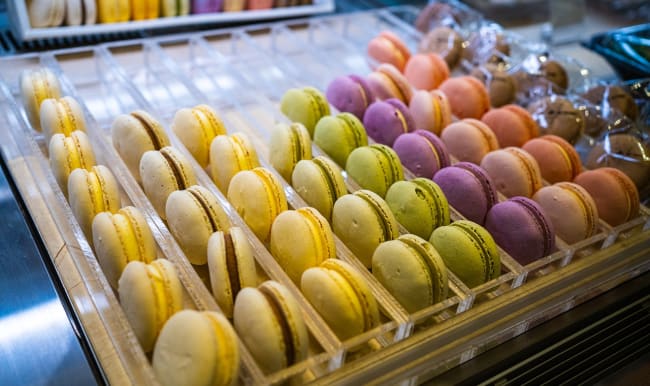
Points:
(243, 73)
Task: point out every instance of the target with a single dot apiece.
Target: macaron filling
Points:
(320, 231)
(432, 273)
(159, 287)
(386, 227)
(437, 210)
(548, 236)
(368, 317)
(278, 312)
(317, 103)
(67, 120)
(209, 212)
(209, 124)
(479, 244)
(588, 211)
(488, 188)
(176, 169)
(158, 143)
(357, 129)
(327, 173)
(126, 217)
(272, 193)
(529, 168)
(394, 172)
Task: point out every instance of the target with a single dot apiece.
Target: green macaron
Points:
(319, 181)
(375, 167)
(339, 135)
(305, 105)
(469, 251)
(419, 205)
(289, 144)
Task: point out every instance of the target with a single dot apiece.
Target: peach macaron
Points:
(430, 110)
(469, 98)
(557, 159)
(614, 193)
(426, 71)
(514, 171)
(388, 82)
(469, 140)
(512, 124)
(387, 47)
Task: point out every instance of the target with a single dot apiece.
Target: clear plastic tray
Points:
(242, 73)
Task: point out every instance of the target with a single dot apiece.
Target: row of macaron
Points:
(54, 13)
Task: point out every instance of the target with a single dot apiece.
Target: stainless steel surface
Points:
(38, 344)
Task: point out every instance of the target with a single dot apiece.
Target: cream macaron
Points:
(230, 154)
(149, 295)
(37, 85)
(319, 181)
(69, 153)
(163, 172)
(120, 238)
(63, 115)
(46, 13)
(196, 127)
(269, 321)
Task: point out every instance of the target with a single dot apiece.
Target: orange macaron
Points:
(388, 48)
(426, 71)
(558, 160)
(469, 140)
(467, 95)
(512, 124)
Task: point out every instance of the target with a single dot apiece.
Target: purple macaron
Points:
(422, 152)
(386, 120)
(520, 226)
(351, 94)
(469, 189)
(206, 6)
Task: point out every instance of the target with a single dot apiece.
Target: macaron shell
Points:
(232, 266)
(120, 238)
(430, 110)
(62, 115)
(258, 197)
(339, 135)
(375, 168)
(422, 153)
(386, 120)
(426, 71)
(467, 96)
(206, 341)
(301, 239)
(256, 321)
(350, 93)
(144, 10)
(134, 134)
(230, 154)
(615, 195)
(320, 183)
(388, 82)
(192, 217)
(289, 144)
(571, 209)
(111, 11)
(306, 106)
(557, 159)
(35, 87)
(69, 153)
(469, 140)
(388, 48)
(196, 127)
(46, 13)
(511, 124)
(514, 171)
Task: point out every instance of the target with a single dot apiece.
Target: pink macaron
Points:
(571, 209)
(614, 193)
(386, 120)
(512, 124)
(388, 82)
(431, 110)
(467, 95)
(514, 171)
(469, 140)
(351, 94)
(521, 227)
(469, 189)
(426, 71)
(422, 152)
(558, 160)
(388, 48)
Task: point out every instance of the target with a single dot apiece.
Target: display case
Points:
(243, 73)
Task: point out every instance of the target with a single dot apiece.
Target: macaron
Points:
(231, 264)
(426, 71)
(134, 134)
(230, 154)
(113, 11)
(521, 227)
(386, 120)
(387, 47)
(555, 72)
(149, 295)
(163, 172)
(144, 9)
(69, 153)
(571, 209)
(469, 189)
(340, 134)
(625, 152)
(469, 140)
(319, 181)
(363, 220)
(170, 8)
(206, 341)
(374, 167)
(422, 152)
(412, 271)
(612, 97)
(289, 144)
(258, 197)
(559, 116)
(301, 239)
(81, 12)
(350, 93)
(305, 105)
(615, 195)
(469, 251)
(501, 86)
(193, 216)
(558, 160)
(269, 321)
(514, 171)
(46, 13)
(206, 6)
(259, 4)
(445, 42)
(388, 82)
(63, 115)
(234, 5)
(342, 297)
(467, 96)
(430, 110)
(119, 238)
(91, 192)
(196, 127)
(513, 125)
(37, 85)
(419, 205)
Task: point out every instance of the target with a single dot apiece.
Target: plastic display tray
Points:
(242, 73)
